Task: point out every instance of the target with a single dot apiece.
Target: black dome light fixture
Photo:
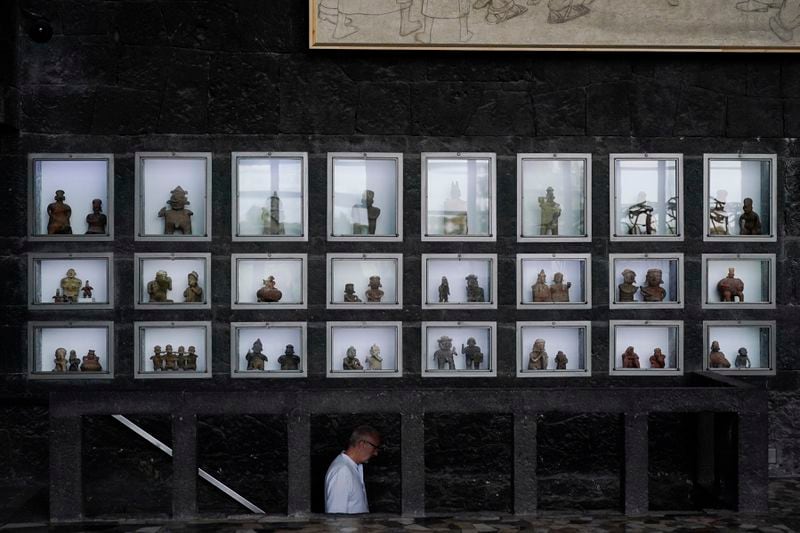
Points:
(37, 26)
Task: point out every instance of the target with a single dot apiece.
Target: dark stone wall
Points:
(223, 75)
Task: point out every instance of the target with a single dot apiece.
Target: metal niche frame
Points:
(746, 304)
(333, 258)
(139, 329)
(35, 281)
(771, 355)
(490, 258)
(236, 278)
(237, 373)
(139, 286)
(491, 356)
(677, 325)
(587, 197)
(586, 259)
(612, 281)
(34, 350)
(35, 199)
(585, 326)
(333, 359)
(236, 158)
(140, 186)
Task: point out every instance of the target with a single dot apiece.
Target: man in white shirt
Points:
(344, 482)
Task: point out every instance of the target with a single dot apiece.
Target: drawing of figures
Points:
(345, 8)
(498, 11)
(757, 6)
(565, 10)
(444, 9)
(786, 21)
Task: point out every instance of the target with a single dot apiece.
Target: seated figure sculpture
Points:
(60, 360)
(658, 359)
(730, 287)
(717, 359)
(742, 360)
(177, 217)
(749, 221)
(194, 292)
(537, 359)
(561, 360)
(351, 362)
(160, 287)
(289, 360)
(630, 359)
(70, 286)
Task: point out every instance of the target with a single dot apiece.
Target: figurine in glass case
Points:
(269, 293)
(374, 293)
(652, 291)
(86, 291)
(444, 355)
(74, 362)
(730, 287)
(628, 288)
(177, 217)
(70, 286)
(350, 295)
(182, 358)
(59, 298)
(537, 359)
(271, 218)
(255, 356)
(559, 291)
(742, 360)
(191, 359)
(718, 218)
(658, 359)
(541, 292)
(193, 293)
(630, 359)
(58, 212)
(96, 220)
(474, 291)
(170, 358)
(749, 221)
(375, 361)
(472, 354)
(157, 358)
(91, 363)
(60, 360)
(444, 290)
(289, 360)
(635, 214)
(455, 212)
(365, 214)
(561, 360)
(351, 362)
(550, 212)
(159, 287)
(717, 359)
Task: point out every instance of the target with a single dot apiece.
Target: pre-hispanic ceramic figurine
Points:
(541, 292)
(550, 212)
(96, 220)
(717, 359)
(91, 363)
(70, 286)
(742, 361)
(86, 291)
(658, 359)
(59, 298)
(271, 218)
(60, 360)
(444, 290)
(559, 291)
(652, 291)
(350, 295)
(269, 293)
(170, 358)
(537, 359)
(472, 354)
(159, 287)
(191, 359)
(444, 355)
(255, 356)
(375, 361)
(351, 362)
(193, 293)
(730, 287)
(561, 360)
(630, 359)
(157, 358)
(474, 291)
(177, 217)
(182, 358)
(289, 360)
(59, 213)
(628, 288)
(718, 218)
(365, 215)
(74, 361)
(749, 221)
(374, 293)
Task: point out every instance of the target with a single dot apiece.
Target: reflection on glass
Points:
(646, 196)
(553, 197)
(458, 197)
(270, 200)
(364, 197)
(739, 197)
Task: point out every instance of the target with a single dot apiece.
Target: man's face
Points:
(368, 447)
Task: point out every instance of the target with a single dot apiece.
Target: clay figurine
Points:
(60, 360)
(635, 212)
(365, 215)
(730, 287)
(271, 218)
(157, 358)
(59, 298)
(717, 359)
(628, 288)
(718, 218)
(658, 359)
(59, 213)
(351, 362)
(652, 291)
(742, 361)
(86, 290)
(630, 359)
(444, 355)
(559, 291)
(350, 295)
(749, 221)
(159, 287)
(550, 212)
(193, 293)
(177, 217)
(289, 360)
(181, 358)
(269, 293)
(474, 291)
(375, 361)
(170, 358)
(537, 359)
(96, 221)
(255, 357)
(374, 293)
(472, 354)
(561, 360)
(455, 212)
(70, 286)
(91, 363)
(74, 362)
(444, 290)
(541, 292)
(191, 359)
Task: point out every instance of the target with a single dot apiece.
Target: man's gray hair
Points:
(360, 432)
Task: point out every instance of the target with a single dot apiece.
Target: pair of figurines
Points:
(538, 359)
(256, 359)
(717, 359)
(445, 355)
(168, 359)
(373, 293)
(651, 291)
(59, 213)
(89, 363)
(557, 291)
(630, 359)
(159, 288)
(373, 362)
(475, 292)
(71, 287)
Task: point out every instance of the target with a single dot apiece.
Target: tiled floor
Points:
(784, 516)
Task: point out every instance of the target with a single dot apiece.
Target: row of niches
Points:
(365, 197)
(375, 281)
(173, 350)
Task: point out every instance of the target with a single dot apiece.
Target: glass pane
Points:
(738, 347)
(71, 350)
(458, 195)
(269, 349)
(646, 200)
(464, 348)
(173, 200)
(270, 196)
(364, 197)
(739, 197)
(640, 347)
(81, 181)
(738, 280)
(645, 280)
(459, 281)
(363, 349)
(553, 348)
(553, 197)
(364, 280)
(541, 282)
(173, 349)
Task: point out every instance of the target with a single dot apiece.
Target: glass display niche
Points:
(562, 281)
(459, 349)
(739, 347)
(458, 197)
(365, 349)
(554, 194)
(268, 350)
(742, 281)
(71, 197)
(459, 281)
(365, 197)
(172, 350)
(70, 350)
(367, 281)
(646, 347)
(71, 281)
(173, 281)
(654, 281)
(262, 281)
(554, 349)
(741, 199)
(270, 196)
(646, 197)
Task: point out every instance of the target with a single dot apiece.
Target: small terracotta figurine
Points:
(70, 286)
(375, 361)
(742, 361)
(559, 291)
(157, 358)
(86, 290)
(91, 363)
(350, 295)
(635, 213)
(96, 221)
(730, 287)
(630, 359)
(561, 360)
(269, 293)
(59, 213)
(658, 359)
(255, 357)
(444, 290)
(652, 291)
(537, 359)
(550, 212)
(365, 215)
(177, 217)
(541, 292)
(60, 360)
(59, 298)
(271, 218)
(170, 358)
(74, 362)
(193, 293)
(455, 212)
(289, 360)
(374, 293)
(191, 359)
(474, 291)
(444, 355)
(159, 287)
(718, 218)
(717, 359)
(749, 221)
(628, 288)
(181, 358)
(351, 362)
(472, 354)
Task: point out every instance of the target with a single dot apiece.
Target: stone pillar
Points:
(184, 466)
(66, 487)
(637, 499)
(299, 467)
(525, 482)
(412, 450)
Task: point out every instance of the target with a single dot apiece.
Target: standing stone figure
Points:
(742, 361)
(177, 217)
(474, 291)
(658, 359)
(159, 287)
(717, 359)
(289, 360)
(627, 289)
(472, 354)
(365, 215)
(537, 359)
(630, 359)
(191, 359)
(182, 358)
(374, 293)
(271, 218)
(59, 213)
(541, 292)
(70, 286)
(444, 355)
(157, 358)
(550, 212)
(269, 293)
(375, 361)
(96, 220)
(60, 360)
(559, 291)
(444, 290)
(351, 362)
(255, 356)
(749, 221)
(350, 295)
(561, 360)
(193, 293)
(652, 291)
(74, 362)
(170, 358)
(730, 287)
(86, 291)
